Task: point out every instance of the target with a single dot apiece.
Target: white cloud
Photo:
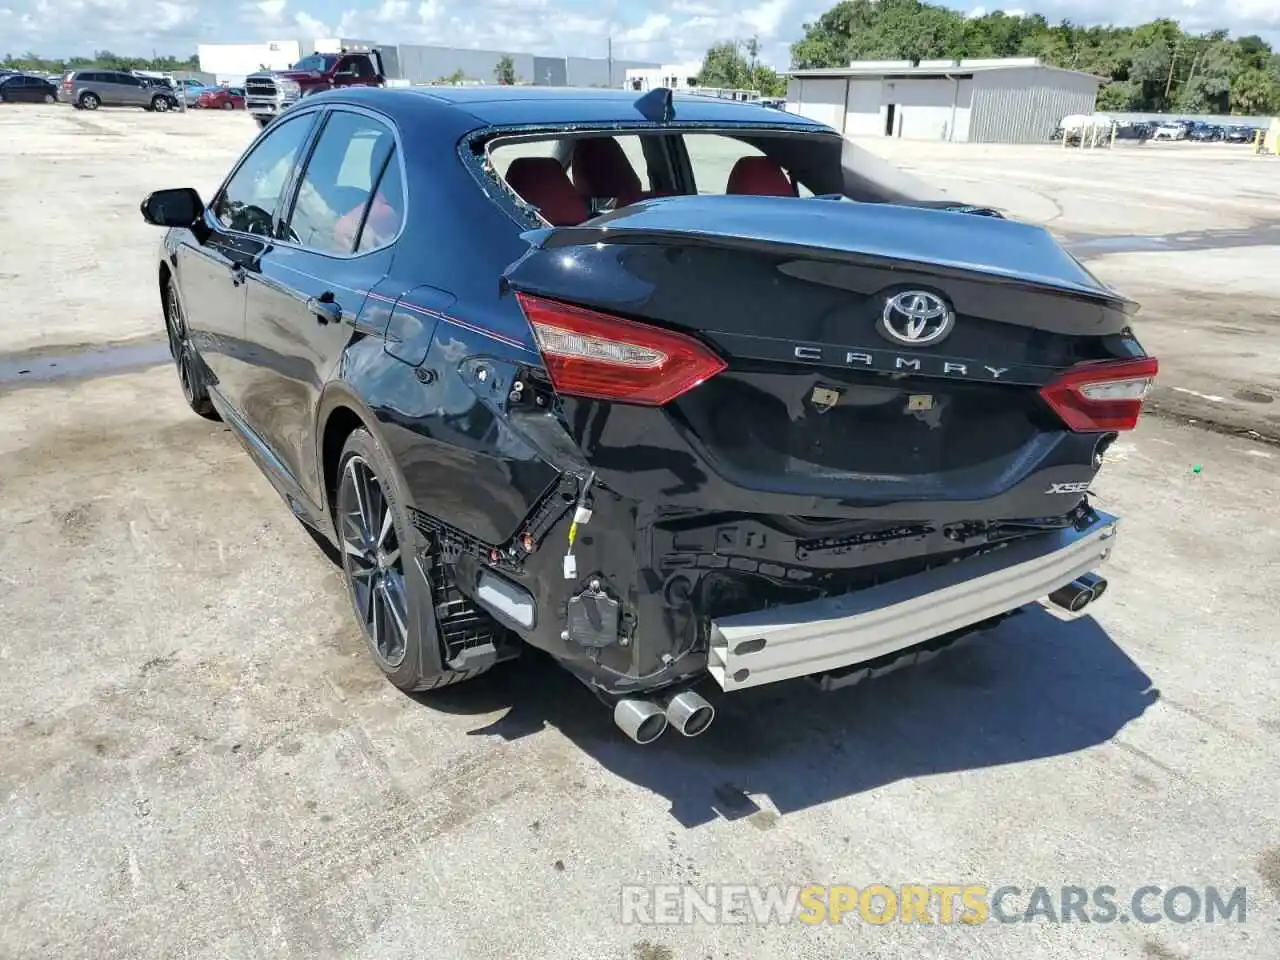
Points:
(675, 31)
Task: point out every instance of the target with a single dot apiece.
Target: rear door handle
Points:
(324, 307)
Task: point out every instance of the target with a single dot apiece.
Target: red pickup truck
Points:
(271, 92)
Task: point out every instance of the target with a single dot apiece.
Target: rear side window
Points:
(338, 184)
(250, 199)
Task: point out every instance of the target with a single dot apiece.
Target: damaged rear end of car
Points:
(801, 437)
(803, 458)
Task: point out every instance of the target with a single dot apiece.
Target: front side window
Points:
(386, 212)
(315, 64)
(249, 200)
(339, 181)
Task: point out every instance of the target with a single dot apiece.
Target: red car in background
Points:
(221, 98)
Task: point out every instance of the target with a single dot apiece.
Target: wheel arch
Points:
(340, 412)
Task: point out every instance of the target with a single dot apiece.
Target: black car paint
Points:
(431, 349)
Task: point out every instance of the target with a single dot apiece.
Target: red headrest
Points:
(542, 182)
(760, 177)
(601, 169)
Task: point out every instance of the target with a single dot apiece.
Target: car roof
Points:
(495, 105)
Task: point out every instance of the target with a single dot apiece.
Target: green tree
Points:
(726, 65)
(505, 70)
(1152, 67)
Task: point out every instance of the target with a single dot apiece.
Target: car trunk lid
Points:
(849, 353)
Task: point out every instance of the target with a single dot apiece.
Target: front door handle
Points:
(324, 308)
(238, 273)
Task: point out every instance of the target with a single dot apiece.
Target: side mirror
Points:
(172, 208)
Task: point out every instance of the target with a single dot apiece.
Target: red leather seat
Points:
(542, 182)
(601, 169)
(761, 177)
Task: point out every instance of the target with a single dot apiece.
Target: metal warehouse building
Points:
(416, 63)
(979, 100)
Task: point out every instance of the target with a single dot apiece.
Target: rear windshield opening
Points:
(570, 179)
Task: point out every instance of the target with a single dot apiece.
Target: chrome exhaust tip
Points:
(641, 720)
(1069, 602)
(690, 713)
(1095, 583)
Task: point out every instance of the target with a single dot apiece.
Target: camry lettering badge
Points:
(916, 318)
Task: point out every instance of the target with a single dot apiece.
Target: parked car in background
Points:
(1170, 131)
(1239, 133)
(1205, 133)
(190, 89)
(220, 98)
(270, 93)
(1134, 131)
(23, 88)
(91, 89)
(517, 353)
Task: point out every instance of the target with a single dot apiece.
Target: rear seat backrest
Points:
(761, 177)
(542, 182)
(601, 169)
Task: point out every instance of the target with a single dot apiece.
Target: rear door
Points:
(240, 224)
(304, 305)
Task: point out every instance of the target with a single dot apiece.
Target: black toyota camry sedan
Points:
(685, 393)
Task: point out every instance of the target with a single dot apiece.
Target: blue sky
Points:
(670, 31)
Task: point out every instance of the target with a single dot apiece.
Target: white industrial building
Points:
(1012, 100)
(674, 76)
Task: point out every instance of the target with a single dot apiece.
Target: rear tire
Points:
(90, 101)
(390, 596)
(50, 98)
(228, 105)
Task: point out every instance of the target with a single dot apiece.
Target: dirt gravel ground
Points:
(198, 758)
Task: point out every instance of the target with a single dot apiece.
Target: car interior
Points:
(571, 179)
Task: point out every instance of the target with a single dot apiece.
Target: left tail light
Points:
(1103, 396)
(595, 355)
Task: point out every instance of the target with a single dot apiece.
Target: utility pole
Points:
(611, 63)
(1168, 84)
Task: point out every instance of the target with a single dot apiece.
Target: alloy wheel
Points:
(180, 346)
(372, 559)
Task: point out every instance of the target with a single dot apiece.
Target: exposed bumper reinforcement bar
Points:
(801, 639)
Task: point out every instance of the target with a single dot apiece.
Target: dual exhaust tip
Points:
(644, 721)
(1070, 601)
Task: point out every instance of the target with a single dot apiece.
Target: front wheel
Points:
(262, 121)
(50, 98)
(228, 105)
(185, 358)
(160, 104)
(389, 593)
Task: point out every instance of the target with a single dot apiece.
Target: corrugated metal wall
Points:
(423, 64)
(1025, 105)
(549, 72)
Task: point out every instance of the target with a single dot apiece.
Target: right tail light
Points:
(1103, 396)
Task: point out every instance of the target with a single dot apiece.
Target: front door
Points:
(304, 305)
(240, 224)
